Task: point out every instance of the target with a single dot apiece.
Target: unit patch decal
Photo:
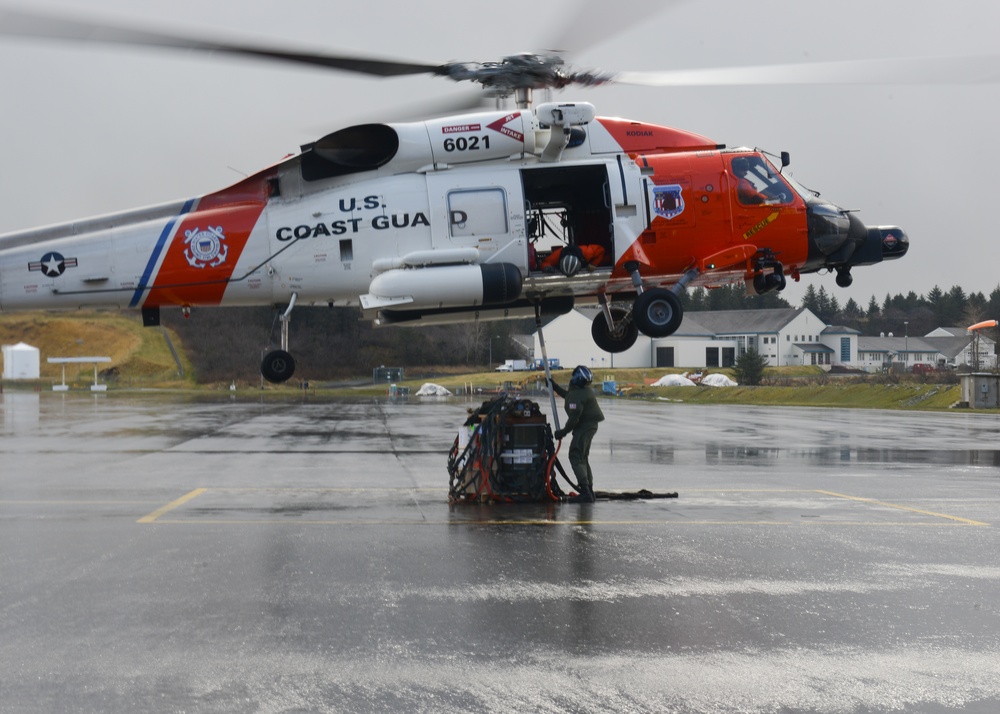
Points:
(205, 247)
(668, 200)
(53, 264)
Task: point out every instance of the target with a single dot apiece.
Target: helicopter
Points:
(518, 211)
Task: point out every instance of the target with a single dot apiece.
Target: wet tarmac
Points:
(162, 554)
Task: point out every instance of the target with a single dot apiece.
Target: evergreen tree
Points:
(810, 300)
(950, 307)
(749, 368)
(993, 306)
(852, 310)
(873, 309)
(822, 304)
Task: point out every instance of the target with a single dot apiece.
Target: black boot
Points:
(586, 494)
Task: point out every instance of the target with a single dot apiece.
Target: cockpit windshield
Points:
(806, 194)
(757, 182)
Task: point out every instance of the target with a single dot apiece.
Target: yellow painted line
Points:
(667, 524)
(315, 489)
(64, 502)
(967, 521)
(172, 505)
(749, 490)
(316, 522)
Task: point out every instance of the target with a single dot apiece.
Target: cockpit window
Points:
(757, 183)
(807, 194)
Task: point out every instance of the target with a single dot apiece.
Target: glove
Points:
(560, 434)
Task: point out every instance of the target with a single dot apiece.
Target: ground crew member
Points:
(583, 415)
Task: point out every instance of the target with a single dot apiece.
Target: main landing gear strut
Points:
(656, 312)
(278, 365)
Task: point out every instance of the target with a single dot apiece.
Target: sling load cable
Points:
(552, 399)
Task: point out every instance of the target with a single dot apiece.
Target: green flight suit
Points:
(583, 415)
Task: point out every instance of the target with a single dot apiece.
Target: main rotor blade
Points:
(23, 24)
(981, 69)
(591, 22)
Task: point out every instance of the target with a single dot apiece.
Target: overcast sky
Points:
(86, 130)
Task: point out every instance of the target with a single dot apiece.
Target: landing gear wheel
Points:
(619, 339)
(277, 367)
(657, 312)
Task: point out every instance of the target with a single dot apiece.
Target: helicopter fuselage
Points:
(453, 219)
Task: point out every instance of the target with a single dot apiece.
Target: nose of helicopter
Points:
(839, 239)
(893, 241)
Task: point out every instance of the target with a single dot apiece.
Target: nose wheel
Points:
(277, 366)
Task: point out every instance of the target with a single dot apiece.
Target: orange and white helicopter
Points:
(508, 213)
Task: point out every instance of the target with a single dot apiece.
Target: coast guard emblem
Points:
(668, 201)
(205, 247)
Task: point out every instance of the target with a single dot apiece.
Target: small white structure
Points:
(21, 361)
(718, 380)
(95, 387)
(429, 389)
(981, 390)
(673, 380)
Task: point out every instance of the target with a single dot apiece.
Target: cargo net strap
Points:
(505, 452)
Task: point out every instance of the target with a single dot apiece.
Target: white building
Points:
(21, 361)
(786, 336)
(941, 348)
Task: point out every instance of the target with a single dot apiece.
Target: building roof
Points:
(692, 327)
(744, 322)
(953, 331)
(948, 347)
(813, 347)
(840, 330)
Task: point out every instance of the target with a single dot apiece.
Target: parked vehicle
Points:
(539, 364)
(513, 365)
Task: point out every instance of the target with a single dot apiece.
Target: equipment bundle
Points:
(505, 453)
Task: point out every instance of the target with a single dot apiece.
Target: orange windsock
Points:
(981, 325)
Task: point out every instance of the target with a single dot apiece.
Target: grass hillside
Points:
(139, 356)
(800, 386)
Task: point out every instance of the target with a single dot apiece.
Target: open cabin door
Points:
(569, 205)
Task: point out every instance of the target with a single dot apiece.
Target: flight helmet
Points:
(582, 376)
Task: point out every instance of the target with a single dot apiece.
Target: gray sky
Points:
(86, 130)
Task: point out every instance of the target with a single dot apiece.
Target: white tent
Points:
(21, 361)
